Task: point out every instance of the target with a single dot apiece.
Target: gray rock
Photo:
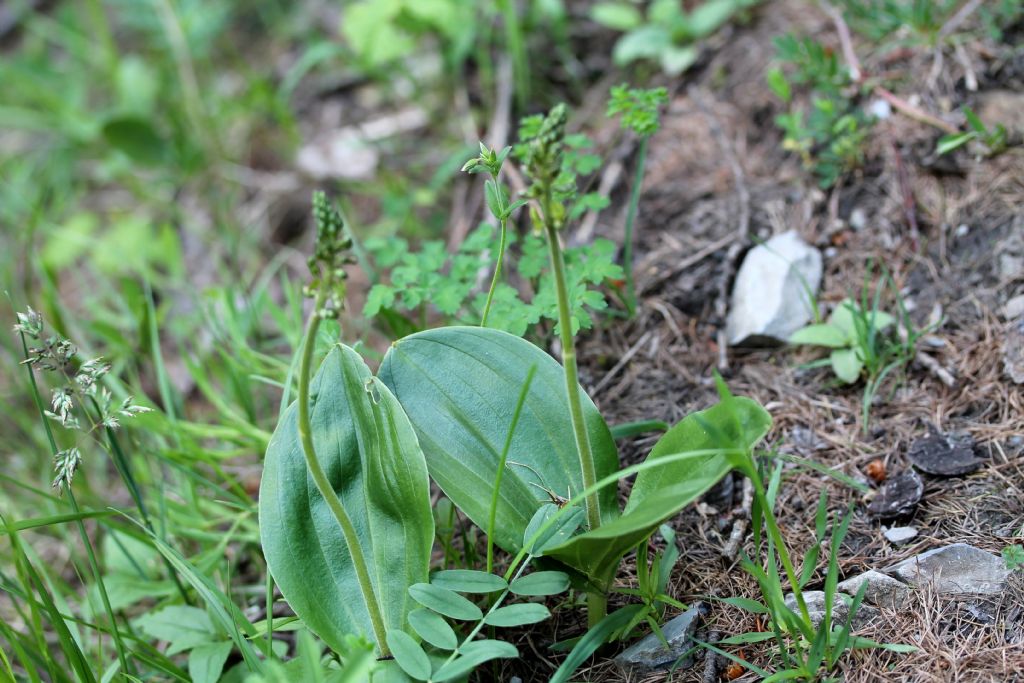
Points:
(1013, 351)
(650, 654)
(958, 569)
(898, 496)
(900, 535)
(882, 590)
(945, 455)
(815, 601)
(774, 287)
(1014, 308)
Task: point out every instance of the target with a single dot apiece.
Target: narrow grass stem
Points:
(497, 271)
(627, 246)
(324, 485)
(123, 467)
(90, 552)
(776, 535)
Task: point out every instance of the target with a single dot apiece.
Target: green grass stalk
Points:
(631, 211)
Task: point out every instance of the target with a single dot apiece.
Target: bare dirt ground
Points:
(947, 230)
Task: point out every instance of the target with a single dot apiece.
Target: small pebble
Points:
(962, 230)
(900, 535)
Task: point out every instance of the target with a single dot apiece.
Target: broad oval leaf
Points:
(468, 581)
(444, 601)
(517, 615)
(369, 452)
(409, 655)
(541, 583)
(820, 335)
(459, 386)
(661, 492)
(431, 627)
(846, 364)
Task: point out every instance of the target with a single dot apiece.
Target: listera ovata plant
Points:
(499, 425)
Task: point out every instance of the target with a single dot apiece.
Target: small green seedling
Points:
(831, 135)
(1013, 556)
(864, 343)
(994, 140)
(852, 334)
(639, 110)
(668, 34)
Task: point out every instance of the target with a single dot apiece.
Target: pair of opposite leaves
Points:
(443, 401)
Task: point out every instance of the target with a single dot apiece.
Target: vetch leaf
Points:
(459, 386)
(444, 601)
(473, 655)
(409, 655)
(369, 452)
(468, 581)
(541, 583)
(517, 615)
(431, 627)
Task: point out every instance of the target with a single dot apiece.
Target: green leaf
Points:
(409, 655)
(947, 143)
(558, 533)
(473, 655)
(459, 386)
(843, 318)
(709, 16)
(369, 453)
(846, 364)
(206, 662)
(779, 85)
(620, 16)
(675, 60)
(746, 604)
(820, 335)
(136, 139)
(659, 493)
(468, 581)
(517, 615)
(182, 626)
(593, 639)
(431, 627)
(645, 42)
(444, 601)
(541, 583)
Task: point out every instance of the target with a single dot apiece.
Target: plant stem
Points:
(90, 552)
(776, 534)
(572, 385)
(324, 485)
(497, 271)
(597, 608)
(627, 246)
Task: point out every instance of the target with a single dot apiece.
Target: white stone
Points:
(882, 590)
(774, 290)
(1014, 308)
(900, 535)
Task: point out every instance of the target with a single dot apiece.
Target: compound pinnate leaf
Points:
(468, 581)
(517, 615)
(473, 655)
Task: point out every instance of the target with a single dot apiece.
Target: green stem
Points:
(572, 385)
(90, 552)
(597, 602)
(123, 468)
(501, 466)
(324, 485)
(497, 271)
(627, 247)
(776, 535)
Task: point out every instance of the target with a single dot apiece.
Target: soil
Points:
(946, 233)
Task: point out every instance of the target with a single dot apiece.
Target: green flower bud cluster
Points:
(330, 255)
(544, 157)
